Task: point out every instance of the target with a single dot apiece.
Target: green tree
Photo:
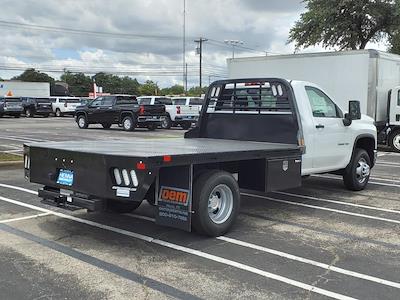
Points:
(196, 91)
(129, 86)
(78, 84)
(346, 24)
(173, 90)
(34, 76)
(149, 88)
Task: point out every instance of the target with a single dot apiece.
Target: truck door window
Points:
(322, 106)
(179, 101)
(398, 98)
(145, 101)
(107, 101)
(163, 100)
(97, 101)
(126, 100)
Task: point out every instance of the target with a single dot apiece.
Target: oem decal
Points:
(174, 195)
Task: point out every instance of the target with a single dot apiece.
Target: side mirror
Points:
(353, 114)
(354, 110)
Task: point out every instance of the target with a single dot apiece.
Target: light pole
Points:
(233, 43)
(184, 48)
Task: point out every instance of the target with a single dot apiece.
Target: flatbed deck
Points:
(145, 148)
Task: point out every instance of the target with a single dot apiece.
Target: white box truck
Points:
(15, 88)
(370, 76)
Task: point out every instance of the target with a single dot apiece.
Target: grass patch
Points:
(10, 157)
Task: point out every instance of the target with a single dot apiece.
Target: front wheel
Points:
(58, 113)
(356, 174)
(123, 207)
(82, 122)
(216, 202)
(394, 141)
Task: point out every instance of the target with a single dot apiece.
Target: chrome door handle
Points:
(319, 126)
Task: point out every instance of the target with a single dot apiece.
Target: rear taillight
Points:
(178, 110)
(125, 177)
(141, 110)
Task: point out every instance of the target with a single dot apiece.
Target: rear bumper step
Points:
(71, 201)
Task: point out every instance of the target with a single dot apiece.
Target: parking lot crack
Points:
(324, 276)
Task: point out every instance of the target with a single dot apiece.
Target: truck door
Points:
(94, 109)
(394, 107)
(331, 139)
(108, 110)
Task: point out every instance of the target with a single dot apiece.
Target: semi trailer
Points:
(258, 134)
(369, 76)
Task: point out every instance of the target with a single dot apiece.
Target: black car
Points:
(10, 106)
(122, 110)
(36, 106)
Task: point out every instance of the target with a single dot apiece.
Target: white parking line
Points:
(195, 252)
(294, 257)
(339, 202)
(13, 187)
(392, 165)
(371, 182)
(24, 218)
(324, 208)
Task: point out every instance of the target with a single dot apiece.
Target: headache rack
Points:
(255, 109)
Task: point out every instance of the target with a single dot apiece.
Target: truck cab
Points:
(394, 118)
(329, 139)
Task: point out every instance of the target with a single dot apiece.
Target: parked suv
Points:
(64, 105)
(36, 106)
(10, 106)
(176, 114)
(123, 110)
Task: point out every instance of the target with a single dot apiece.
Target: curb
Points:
(5, 164)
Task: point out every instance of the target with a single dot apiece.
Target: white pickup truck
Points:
(258, 134)
(177, 115)
(64, 105)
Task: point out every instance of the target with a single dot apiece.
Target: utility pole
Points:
(184, 48)
(199, 50)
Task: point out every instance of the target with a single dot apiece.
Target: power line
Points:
(26, 26)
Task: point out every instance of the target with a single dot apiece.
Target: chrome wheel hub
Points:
(362, 170)
(127, 124)
(220, 204)
(81, 122)
(396, 141)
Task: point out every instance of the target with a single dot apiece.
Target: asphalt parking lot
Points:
(318, 241)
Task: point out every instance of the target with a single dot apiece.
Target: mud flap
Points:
(174, 201)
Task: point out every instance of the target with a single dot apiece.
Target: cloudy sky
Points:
(140, 38)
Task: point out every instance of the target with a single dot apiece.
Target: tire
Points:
(82, 122)
(28, 113)
(166, 123)
(106, 125)
(58, 113)
(152, 127)
(123, 207)
(216, 202)
(394, 141)
(128, 124)
(356, 174)
(186, 126)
